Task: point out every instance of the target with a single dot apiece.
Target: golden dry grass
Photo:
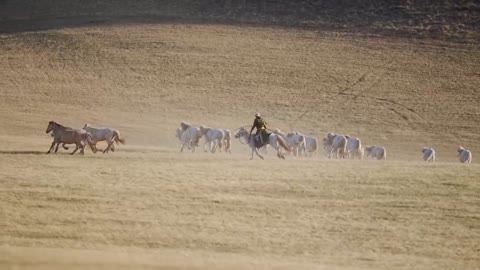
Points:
(148, 206)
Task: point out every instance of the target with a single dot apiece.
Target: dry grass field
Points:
(147, 206)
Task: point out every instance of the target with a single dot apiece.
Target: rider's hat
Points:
(257, 114)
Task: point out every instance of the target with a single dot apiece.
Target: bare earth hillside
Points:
(149, 206)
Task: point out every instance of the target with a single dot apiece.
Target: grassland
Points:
(148, 206)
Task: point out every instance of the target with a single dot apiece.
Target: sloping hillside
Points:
(147, 206)
(453, 20)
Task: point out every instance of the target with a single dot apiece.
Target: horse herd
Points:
(81, 137)
(335, 145)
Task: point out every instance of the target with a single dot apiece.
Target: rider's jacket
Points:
(259, 123)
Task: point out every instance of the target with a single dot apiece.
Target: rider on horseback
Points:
(261, 126)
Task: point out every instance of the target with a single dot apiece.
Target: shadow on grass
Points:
(30, 153)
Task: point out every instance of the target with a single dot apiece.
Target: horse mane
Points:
(55, 123)
(59, 125)
(205, 129)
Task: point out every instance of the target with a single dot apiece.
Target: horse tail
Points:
(315, 144)
(359, 150)
(304, 145)
(283, 144)
(116, 137)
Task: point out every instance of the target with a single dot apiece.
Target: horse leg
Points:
(210, 146)
(51, 147)
(220, 145)
(76, 148)
(56, 148)
(82, 149)
(279, 151)
(93, 147)
(96, 149)
(108, 146)
(258, 154)
(214, 147)
(64, 146)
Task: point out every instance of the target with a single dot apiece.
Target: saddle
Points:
(262, 140)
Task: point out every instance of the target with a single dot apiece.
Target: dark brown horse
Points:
(66, 135)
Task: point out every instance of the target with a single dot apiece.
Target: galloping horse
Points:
(274, 141)
(109, 135)
(190, 136)
(213, 137)
(66, 135)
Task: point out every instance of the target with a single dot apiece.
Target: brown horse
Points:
(66, 135)
(64, 145)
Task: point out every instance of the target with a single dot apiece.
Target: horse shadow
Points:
(28, 153)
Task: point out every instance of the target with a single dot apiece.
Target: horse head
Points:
(184, 126)
(51, 126)
(241, 132)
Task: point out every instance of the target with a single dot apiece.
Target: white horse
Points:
(109, 135)
(190, 136)
(294, 140)
(337, 144)
(354, 147)
(213, 137)
(428, 154)
(310, 147)
(274, 140)
(464, 155)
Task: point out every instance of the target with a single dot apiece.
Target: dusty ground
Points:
(148, 206)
